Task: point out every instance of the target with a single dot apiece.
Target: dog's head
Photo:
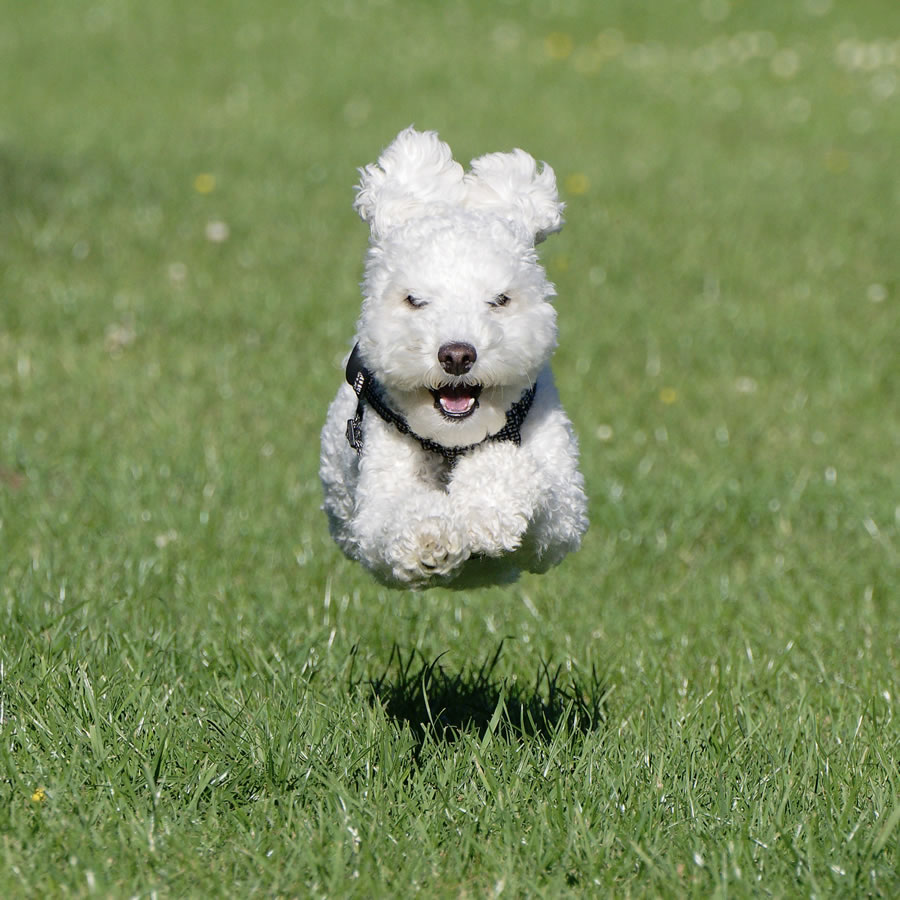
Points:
(456, 320)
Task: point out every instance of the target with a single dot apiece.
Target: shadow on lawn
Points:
(443, 705)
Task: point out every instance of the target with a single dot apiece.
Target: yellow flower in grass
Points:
(204, 183)
(39, 796)
(558, 45)
(668, 396)
(577, 184)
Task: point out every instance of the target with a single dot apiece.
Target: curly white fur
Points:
(452, 261)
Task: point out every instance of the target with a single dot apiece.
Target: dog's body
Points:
(463, 455)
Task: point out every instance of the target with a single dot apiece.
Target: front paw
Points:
(426, 551)
(495, 532)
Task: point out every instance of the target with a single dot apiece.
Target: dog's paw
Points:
(426, 551)
(496, 532)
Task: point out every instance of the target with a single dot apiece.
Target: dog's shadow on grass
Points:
(440, 705)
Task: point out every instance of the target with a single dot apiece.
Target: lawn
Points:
(199, 696)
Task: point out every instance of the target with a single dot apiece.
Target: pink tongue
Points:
(456, 401)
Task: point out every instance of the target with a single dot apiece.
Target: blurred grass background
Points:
(179, 270)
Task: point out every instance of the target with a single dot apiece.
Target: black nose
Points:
(456, 358)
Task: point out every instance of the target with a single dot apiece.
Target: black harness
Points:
(368, 391)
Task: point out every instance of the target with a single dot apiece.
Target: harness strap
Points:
(369, 391)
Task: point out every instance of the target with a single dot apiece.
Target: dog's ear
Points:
(415, 172)
(511, 185)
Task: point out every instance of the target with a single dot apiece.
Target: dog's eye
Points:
(500, 300)
(414, 302)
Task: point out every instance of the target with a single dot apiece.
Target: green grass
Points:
(200, 697)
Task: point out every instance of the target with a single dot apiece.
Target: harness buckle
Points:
(354, 433)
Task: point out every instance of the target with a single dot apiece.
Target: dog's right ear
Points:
(416, 171)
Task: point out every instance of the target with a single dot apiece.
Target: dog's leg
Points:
(529, 499)
(402, 522)
(560, 515)
(492, 497)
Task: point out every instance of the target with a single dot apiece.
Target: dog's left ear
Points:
(511, 185)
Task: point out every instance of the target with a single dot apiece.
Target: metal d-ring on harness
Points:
(368, 391)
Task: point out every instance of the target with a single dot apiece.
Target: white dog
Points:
(448, 449)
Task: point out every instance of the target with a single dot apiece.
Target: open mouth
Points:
(457, 401)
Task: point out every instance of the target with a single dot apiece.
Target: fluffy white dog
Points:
(448, 456)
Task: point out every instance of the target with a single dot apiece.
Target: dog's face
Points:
(456, 321)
